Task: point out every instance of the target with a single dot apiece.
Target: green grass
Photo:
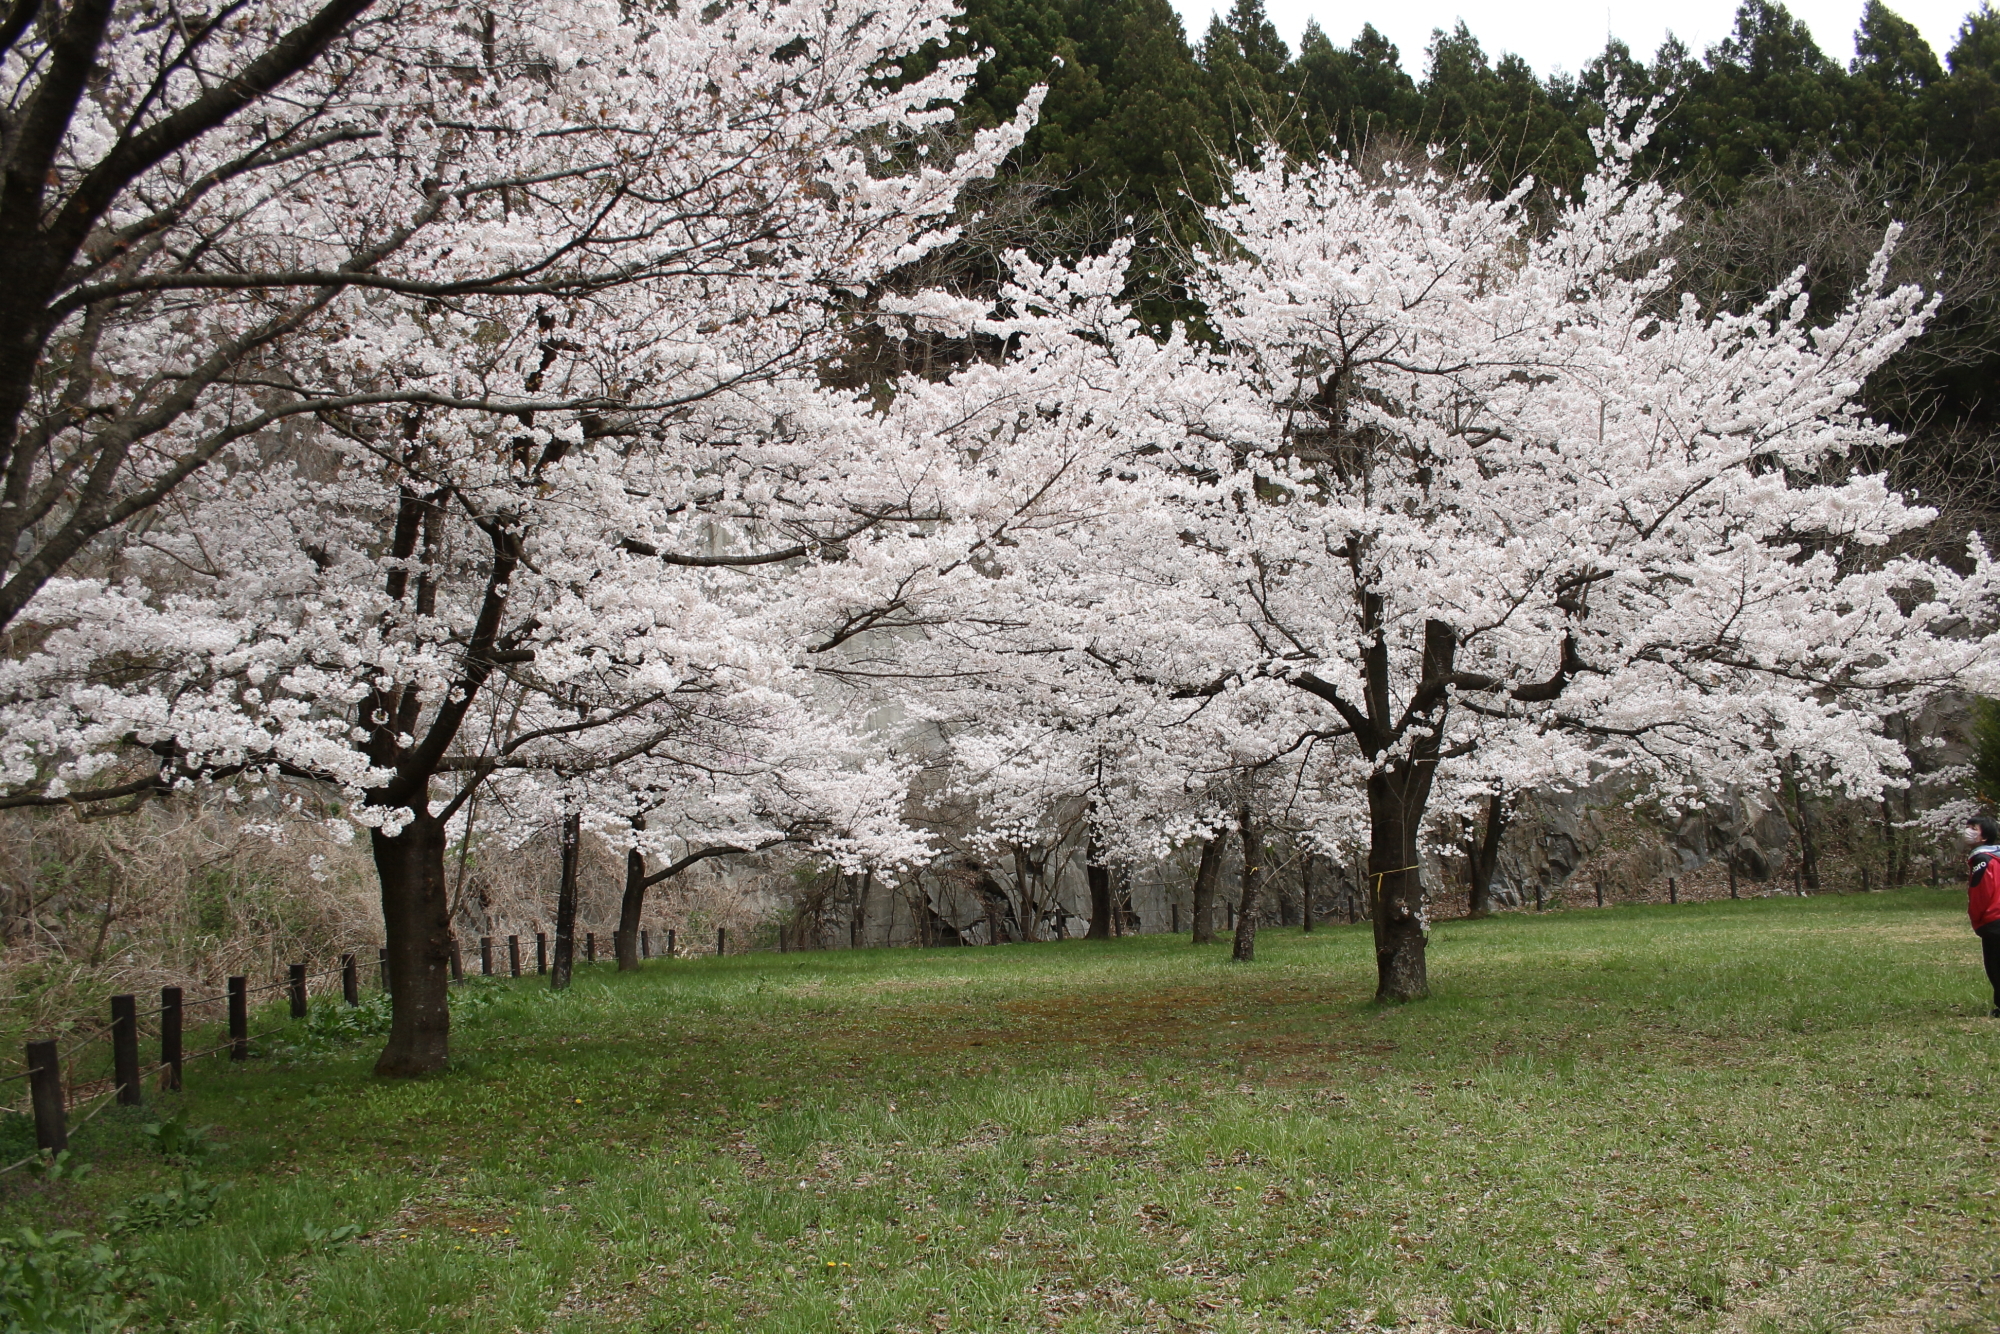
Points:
(1773, 1115)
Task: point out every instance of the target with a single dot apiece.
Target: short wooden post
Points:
(1865, 882)
(1732, 880)
(486, 956)
(645, 944)
(1673, 890)
(239, 1019)
(1600, 891)
(541, 951)
(45, 1091)
(590, 947)
(382, 957)
(170, 1038)
(1538, 896)
(721, 941)
(514, 956)
(125, 1049)
(298, 990)
(1177, 919)
(457, 961)
(670, 942)
(350, 980)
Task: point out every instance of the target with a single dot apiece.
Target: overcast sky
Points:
(1563, 34)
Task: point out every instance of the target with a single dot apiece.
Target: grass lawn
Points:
(1774, 1115)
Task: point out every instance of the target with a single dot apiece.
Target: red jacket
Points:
(1982, 900)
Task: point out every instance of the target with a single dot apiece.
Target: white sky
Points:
(1563, 34)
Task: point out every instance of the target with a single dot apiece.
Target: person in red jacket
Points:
(1982, 900)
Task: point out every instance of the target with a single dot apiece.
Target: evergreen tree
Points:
(1764, 93)
(1248, 69)
(1353, 96)
(1963, 111)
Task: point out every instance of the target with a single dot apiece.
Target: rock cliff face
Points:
(1553, 839)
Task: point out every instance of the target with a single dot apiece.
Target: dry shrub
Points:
(179, 893)
(191, 891)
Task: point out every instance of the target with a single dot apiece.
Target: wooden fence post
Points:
(1600, 891)
(457, 960)
(541, 951)
(514, 956)
(125, 1049)
(721, 941)
(170, 1038)
(590, 947)
(486, 956)
(45, 1090)
(1177, 919)
(670, 942)
(1673, 890)
(350, 980)
(298, 990)
(1732, 880)
(382, 956)
(239, 1018)
(1538, 896)
(645, 944)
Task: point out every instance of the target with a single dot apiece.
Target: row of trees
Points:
(1139, 114)
(422, 418)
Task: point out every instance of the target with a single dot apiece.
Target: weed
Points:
(62, 1165)
(175, 1141)
(57, 1283)
(190, 1204)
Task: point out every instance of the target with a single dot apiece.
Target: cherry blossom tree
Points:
(546, 297)
(1486, 496)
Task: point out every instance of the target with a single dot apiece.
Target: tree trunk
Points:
(631, 911)
(1396, 799)
(1808, 843)
(1026, 877)
(1485, 858)
(559, 973)
(416, 916)
(861, 909)
(1245, 949)
(1101, 907)
(1205, 880)
(1306, 892)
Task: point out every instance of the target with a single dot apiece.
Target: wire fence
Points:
(59, 1076)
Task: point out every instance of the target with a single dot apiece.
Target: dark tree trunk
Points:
(1245, 949)
(1101, 907)
(631, 911)
(416, 905)
(1027, 875)
(565, 960)
(1808, 842)
(1306, 892)
(416, 912)
(1485, 858)
(1206, 877)
(1396, 799)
